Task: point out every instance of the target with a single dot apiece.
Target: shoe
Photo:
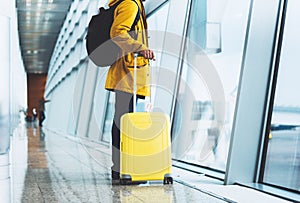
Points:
(115, 177)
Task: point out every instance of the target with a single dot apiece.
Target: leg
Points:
(42, 118)
(123, 104)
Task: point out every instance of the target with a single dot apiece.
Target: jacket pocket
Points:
(129, 61)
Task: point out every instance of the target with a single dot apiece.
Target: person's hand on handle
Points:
(148, 54)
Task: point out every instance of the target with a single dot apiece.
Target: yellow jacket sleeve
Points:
(124, 17)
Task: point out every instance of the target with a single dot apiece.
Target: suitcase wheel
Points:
(168, 180)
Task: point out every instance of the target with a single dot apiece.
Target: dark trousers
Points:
(41, 118)
(123, 104)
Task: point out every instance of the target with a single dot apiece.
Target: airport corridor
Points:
(47, 167)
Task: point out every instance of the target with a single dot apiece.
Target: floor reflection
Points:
(147, 193)
(53, 168)
(37, 168)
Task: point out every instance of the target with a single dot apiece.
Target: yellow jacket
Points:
(120, 74)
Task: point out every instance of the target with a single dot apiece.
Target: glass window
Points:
(157, 22)
(99, 111)
(109, 115)
(156, 28)
(210, 73)
(283, 154)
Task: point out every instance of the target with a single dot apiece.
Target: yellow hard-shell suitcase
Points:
(145, 145)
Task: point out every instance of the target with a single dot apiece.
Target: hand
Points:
(148, 54)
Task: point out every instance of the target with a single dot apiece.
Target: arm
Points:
(124, 17)
(45, 101)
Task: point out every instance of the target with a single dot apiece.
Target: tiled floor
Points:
(47, 167)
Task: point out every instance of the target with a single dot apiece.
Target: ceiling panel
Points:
(39, 23)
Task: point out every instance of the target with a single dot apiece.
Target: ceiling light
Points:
(50, 1)
(28, 51)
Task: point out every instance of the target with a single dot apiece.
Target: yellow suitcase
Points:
(145, 146)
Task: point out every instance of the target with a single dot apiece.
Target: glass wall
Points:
(209, 78)
(109, 116)
(157, 25)
(283, 155)
(156, 29)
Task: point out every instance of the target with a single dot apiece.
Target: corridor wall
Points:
(13, 85)
(12, 75)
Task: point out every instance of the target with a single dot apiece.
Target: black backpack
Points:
(100, 48)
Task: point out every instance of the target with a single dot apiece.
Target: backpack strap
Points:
(137, 17)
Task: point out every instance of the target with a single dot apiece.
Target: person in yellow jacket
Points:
(120, 75)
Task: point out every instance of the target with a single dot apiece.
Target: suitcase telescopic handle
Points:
(134, 81)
